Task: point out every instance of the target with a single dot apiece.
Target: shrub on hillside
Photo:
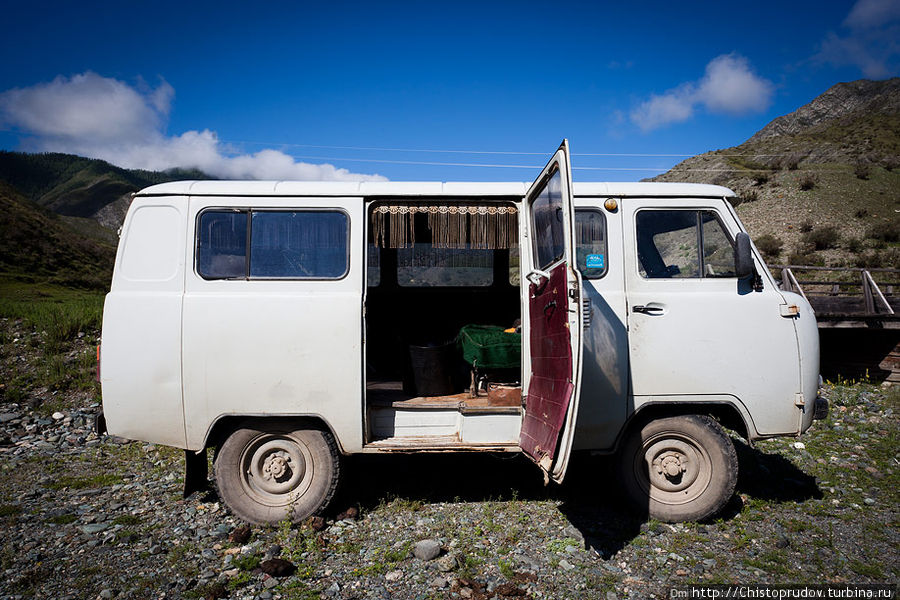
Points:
(806, 226)
(808, 182)
(769, 245)
(853, 244)
(878, 259)
(862, 213)
(791, 161)
(822, 238)
(761, 178)
(886, 231)
(890, 163)
(804, 256)
(750, 196)
(862, 170)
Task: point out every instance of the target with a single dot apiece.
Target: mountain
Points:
(60, 214)
(820, 185)
(38, 245)
(81, 187)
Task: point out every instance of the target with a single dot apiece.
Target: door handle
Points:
(648, 309)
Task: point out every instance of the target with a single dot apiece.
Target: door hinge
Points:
(789, 310)
(799, 400)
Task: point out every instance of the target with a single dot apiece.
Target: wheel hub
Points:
(671, 464)
(276, 465)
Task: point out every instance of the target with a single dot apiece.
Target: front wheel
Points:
(680, 468)
(268, 471)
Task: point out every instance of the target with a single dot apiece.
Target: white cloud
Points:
(867, 14)
(729, 86)
(871, 41)
(104, 118)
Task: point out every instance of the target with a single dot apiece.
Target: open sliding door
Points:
(553, 321)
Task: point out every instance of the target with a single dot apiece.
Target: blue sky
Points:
(297, 90)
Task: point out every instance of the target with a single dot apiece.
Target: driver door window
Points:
(683, 244)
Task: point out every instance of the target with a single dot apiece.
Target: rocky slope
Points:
(833, 163)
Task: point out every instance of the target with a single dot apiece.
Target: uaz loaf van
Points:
(287, 324)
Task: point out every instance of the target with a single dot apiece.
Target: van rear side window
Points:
(282, 244)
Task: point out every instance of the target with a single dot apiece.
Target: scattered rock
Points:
(439, 582)
(509, 590)
(447, 563)
(240, 535)
(316, 523)
(427, 549)
(350, 514)
(782, 542)
(216, 590)
(277, 567)
(394, 575)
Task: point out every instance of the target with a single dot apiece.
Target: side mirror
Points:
(743, 261)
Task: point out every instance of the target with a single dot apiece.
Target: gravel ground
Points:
(84, 516)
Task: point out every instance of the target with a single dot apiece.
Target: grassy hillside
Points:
(39, 246)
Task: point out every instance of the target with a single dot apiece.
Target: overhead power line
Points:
(334, 159)
(501, 152)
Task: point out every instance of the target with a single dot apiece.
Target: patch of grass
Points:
(9, 510)
(126, 520)
(239, 581)
(868, 568)
(397, 554)
(506, 568)
(246, 562)
(467, 566)
(81, 483)
(62, 519)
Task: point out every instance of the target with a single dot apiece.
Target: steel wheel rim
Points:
(672, 468)
(276, 469)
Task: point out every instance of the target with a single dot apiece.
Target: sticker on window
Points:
(594, 261)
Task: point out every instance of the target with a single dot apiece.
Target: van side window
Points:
(683, 244)
(283, 244)
(222, 244)
(590, 243)
(298, 244)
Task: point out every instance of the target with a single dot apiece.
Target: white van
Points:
(286, 324)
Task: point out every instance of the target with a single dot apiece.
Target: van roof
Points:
(423, 188)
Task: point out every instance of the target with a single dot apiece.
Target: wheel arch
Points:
(726, 413)
(225, 425)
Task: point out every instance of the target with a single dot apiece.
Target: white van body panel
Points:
(280, 347)
(141, 350)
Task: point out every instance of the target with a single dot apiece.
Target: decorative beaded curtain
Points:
(451, 226)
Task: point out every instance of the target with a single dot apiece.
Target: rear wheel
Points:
(680, 468)
(267, 471)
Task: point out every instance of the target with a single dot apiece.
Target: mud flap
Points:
(196, 472)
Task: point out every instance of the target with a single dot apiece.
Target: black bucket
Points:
(433, 369)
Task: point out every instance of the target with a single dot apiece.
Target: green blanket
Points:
(489, 347)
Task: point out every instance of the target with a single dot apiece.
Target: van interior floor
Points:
(505, 400)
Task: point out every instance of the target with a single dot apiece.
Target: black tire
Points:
(268, 471)
(679, 468)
